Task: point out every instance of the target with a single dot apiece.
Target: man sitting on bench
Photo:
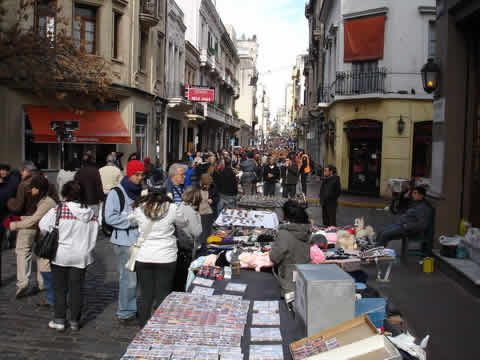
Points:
(413, 222)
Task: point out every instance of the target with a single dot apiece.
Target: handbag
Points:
(46, 248)
(130, 265)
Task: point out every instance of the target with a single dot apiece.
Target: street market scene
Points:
(254, 180)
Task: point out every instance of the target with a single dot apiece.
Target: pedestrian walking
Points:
(329, 194)
(291, 177)
(117, 207)
(227, 185)
(65, 175)
(305, 170)
(175, 184)
(77, 236)
(249, 176)
(110, 174)
(207, 206)
(156, 216)
(27, 225)
(271, 175)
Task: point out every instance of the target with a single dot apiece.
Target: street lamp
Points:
(430, 75)
(64, 131)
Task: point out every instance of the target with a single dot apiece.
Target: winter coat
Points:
(275, 171)
(23, 203)
(249, 168)
(77, 233)
(31, 222)
(89, 178)
(291, 247)
(123, 233)
(160, 245)
(417, 217)
(226, 182)
(330, 190)
(110, 176)
(291, 175)
(63, 177)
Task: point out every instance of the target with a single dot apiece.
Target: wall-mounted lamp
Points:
(430, 75)
(401, 125)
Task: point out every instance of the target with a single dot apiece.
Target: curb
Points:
(362, 205)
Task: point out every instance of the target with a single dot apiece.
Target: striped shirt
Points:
(177, 191)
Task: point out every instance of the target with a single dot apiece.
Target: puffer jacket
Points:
(417, 217)
(249, 168)
(291, 247)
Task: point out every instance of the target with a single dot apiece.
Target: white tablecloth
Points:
(248, 218)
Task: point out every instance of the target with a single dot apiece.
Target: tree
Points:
(47, 60)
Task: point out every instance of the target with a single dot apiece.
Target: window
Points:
(46, 11)
(36, 152)
(85, 27)
(116, 35)
(432, 39)
(142, 58)
(141, 134)
(159, 59)
(364, 78)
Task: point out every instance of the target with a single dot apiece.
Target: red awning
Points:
(364, 38)
(98, 127)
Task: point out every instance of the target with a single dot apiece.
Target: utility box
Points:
(324, 297)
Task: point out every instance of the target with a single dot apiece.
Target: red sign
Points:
(200, 94)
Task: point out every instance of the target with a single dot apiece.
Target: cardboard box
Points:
(324, 297)
(356, 339)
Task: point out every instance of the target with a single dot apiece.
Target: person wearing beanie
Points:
(27, 231)
(125, 235)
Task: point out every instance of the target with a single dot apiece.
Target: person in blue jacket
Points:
(123, 236)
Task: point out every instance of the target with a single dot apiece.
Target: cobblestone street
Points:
(25, 333)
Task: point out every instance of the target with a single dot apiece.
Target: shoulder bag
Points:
(130, 265)
(46, 248)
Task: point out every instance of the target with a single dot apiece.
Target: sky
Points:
(282, 34)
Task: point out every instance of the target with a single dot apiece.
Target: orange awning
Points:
(364, 38)
(98, 127)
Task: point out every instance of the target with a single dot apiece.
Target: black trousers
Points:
(269, 188)
(290, 190)
(303, 179)
(329, 214)
(207, 223)
(155, 282)
(67, 280)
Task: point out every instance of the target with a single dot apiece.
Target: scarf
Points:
(133, 190)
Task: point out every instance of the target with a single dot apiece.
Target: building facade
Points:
(378, 117)
(455, 189)
(129, 35)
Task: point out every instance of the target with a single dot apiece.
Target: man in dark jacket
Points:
(227, 186)
(249, 176)
(292, 245)
(291, 176)
(414, 221)
(329, 194)
(271, 175)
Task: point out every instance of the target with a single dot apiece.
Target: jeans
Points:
(67, 279)
(329, 214)
(47, 283)
(127, 297)
(155, 282)
(391, 232)
(226, 201)
(269, 188)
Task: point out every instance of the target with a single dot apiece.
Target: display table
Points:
(247, 218)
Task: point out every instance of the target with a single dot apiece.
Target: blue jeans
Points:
(391, 232)
(127, 298)
(47, 283)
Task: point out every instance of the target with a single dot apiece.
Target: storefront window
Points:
(36, 152)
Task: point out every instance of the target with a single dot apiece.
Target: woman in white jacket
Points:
(77, 229)
(156, 216)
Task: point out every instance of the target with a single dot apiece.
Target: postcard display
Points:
(190, 326)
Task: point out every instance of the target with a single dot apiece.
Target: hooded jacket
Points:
(291, 247)
(77, 233)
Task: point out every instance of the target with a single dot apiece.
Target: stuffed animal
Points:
(345, 240)
(255, 260)
(365, 236)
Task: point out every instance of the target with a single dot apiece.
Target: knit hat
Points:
(133, 167)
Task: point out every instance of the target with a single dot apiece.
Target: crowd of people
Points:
(164, 216)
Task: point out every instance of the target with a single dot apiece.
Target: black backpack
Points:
(106, 228)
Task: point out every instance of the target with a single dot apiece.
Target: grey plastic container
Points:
(324, 297)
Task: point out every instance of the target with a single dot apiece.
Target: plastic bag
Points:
(450, 240)
(473, 238)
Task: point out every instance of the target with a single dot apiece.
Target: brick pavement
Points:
(25, 333)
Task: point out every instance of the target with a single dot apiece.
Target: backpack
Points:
(107, 228)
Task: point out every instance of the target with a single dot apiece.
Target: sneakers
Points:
(57, 326)
(74, 326)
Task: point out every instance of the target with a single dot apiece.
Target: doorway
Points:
(365, 154)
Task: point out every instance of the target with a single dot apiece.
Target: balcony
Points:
(148, 13)
(352, 83)
(207, 60)
(215, 113)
